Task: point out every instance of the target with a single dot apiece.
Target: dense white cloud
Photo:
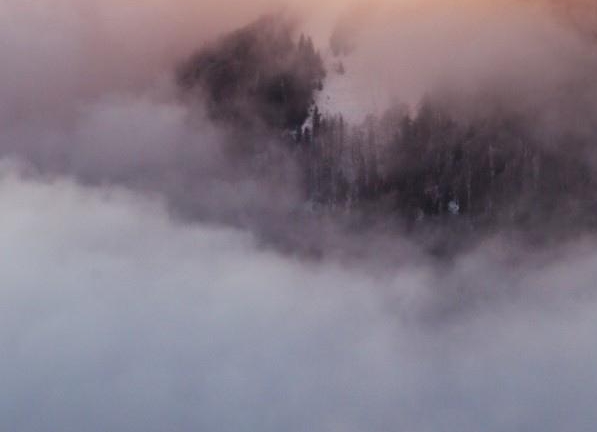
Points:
(115, 318)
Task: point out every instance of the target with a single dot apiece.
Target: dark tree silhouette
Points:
(257, 76)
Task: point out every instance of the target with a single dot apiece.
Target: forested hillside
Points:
(410, 165)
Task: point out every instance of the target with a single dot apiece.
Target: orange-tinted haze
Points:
(66, 49)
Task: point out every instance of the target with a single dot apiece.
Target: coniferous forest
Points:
(432, 163)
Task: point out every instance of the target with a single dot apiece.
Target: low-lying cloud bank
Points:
(114, 318)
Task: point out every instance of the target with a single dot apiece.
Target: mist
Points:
(520, 53)
(113, 317)
(382, 218)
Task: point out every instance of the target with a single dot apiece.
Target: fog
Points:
(64, 58)
(527, 54)
(163, 269)
(115, 318)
